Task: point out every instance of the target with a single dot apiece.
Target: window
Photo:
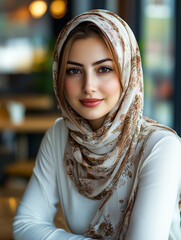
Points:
(157, 47)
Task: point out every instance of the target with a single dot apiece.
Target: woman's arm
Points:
(34, 219)
(158, 188)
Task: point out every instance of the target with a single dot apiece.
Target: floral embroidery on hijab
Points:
(101, 164)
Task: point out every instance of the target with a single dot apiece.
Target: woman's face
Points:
(92, 86)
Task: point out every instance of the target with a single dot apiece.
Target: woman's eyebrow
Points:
(101, 61)
(75, 63)
(95, 63)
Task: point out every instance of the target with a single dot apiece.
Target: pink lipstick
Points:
(90, 102)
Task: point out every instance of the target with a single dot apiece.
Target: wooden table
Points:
(30, 101)
(8, 206)
(31, 123)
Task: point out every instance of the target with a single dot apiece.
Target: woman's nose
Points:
(89, 83)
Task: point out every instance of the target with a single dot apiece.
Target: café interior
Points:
(27, 105)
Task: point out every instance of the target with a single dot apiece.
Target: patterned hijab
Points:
(102, 164)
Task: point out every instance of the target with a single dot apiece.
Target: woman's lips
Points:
(90, 102)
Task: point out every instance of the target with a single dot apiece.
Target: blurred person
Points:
(115, 172)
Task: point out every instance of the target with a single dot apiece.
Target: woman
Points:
(115, 172)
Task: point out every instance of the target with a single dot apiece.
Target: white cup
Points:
(16, 111)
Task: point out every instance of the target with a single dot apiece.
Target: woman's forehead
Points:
(91, 49)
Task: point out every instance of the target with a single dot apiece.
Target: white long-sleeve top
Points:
(155, 215)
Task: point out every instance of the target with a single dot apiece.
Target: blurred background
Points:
(28, 31)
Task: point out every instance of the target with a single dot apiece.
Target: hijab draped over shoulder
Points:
(102, 164)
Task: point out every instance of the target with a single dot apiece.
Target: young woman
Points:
(115, 172)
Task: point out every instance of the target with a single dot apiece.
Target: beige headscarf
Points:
(102, 164)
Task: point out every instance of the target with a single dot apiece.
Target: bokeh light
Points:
(38, 8)
(58, 8)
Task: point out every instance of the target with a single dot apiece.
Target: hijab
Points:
(102, 164)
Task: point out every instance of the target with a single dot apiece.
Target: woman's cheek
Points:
(71, 87)
(111, 87)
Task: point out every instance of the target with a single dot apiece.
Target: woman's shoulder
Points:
(58, 131)
(59, 123)
(164, 137)
(58, 126)
(163, 144)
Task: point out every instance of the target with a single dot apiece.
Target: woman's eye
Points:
(105, 70)
(73, 71)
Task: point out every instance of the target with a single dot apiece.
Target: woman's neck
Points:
(96, 123)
